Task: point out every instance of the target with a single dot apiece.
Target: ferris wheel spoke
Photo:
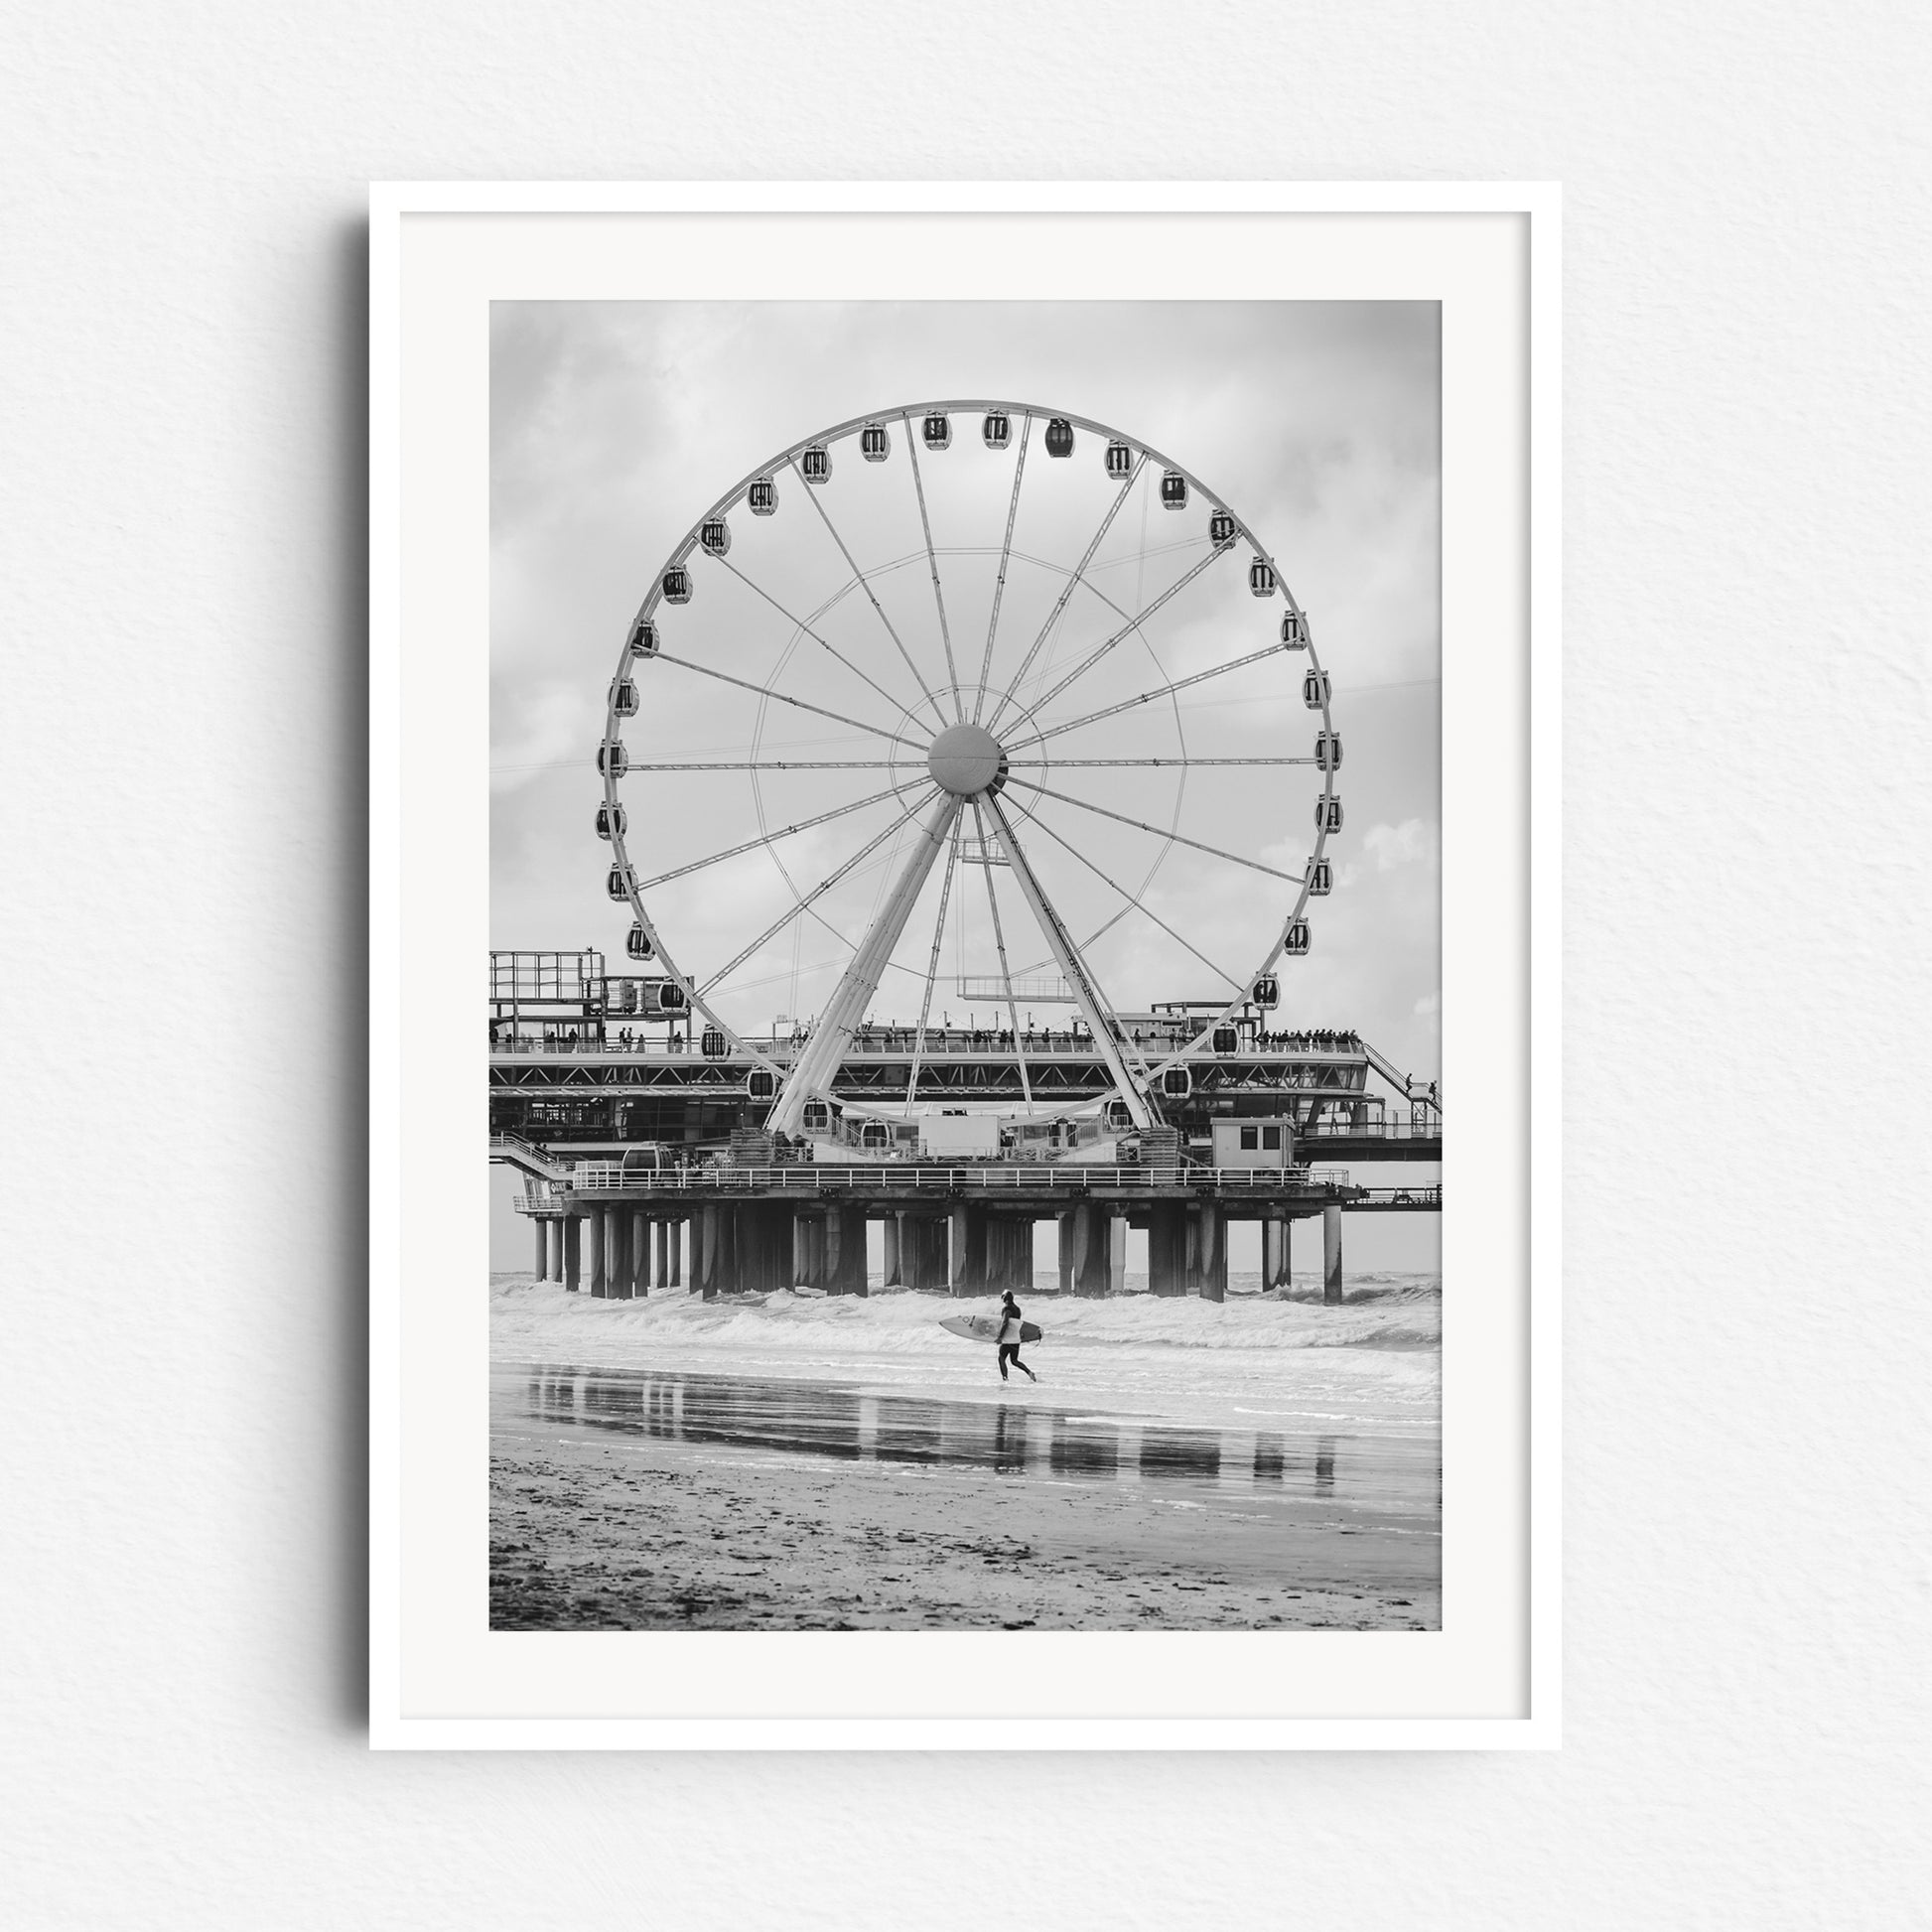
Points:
(1000, 945)
(765, 691)
(1094, 656)
(932, 965)
(1134, 903)
(812, 898)
(1147, 697)
(933, 564)
(1141, 825)
(1072, 582)
(999, 593)
(1087, 993)
(799, 624)
(785, 832)
(816, 1068)
(825, 517)
(806, 765)
(1069, 764)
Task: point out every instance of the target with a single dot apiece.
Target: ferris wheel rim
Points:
(696, 992)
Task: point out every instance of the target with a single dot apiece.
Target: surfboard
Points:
(986, 1328)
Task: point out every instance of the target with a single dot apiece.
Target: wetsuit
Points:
(1010, 1340)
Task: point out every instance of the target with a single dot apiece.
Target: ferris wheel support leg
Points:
(814, 1070)
(1088, 1001)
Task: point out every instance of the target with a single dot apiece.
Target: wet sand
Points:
(626, 1498)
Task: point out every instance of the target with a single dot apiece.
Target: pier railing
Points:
(1380, 1199)
(1372, 1129)
(917, 1179)
(899, 1047)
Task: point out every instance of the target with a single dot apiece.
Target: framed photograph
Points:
(999, 745)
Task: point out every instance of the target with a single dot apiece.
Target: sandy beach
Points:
(810, 1462)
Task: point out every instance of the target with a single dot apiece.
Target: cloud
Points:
(1413, 841)
(1429, 1003)
(549, 725)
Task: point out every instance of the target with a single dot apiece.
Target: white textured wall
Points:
(181, 451)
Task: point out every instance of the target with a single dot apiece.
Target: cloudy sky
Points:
(615, 426)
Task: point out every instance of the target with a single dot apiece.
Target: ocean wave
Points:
(1397, 1312)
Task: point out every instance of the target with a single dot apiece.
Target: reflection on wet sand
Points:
(1009, 1438)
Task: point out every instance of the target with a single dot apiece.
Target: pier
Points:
(647, 1164)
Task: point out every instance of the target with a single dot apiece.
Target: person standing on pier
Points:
(1010, 1338)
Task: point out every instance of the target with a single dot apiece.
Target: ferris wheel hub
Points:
(966, 760)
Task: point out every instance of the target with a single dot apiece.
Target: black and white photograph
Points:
(965, 1103)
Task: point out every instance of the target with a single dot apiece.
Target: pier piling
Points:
(967, 1243)
(842, 1251)
(1332, 1255)
(1275, 1252)
(1207, 1252)
(1008, 1256)
(923, 1257)
(594, 1265)
(1166, 1248)
(1084, 1265)
(616, 1263)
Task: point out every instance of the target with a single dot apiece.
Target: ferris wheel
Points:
(969, 684)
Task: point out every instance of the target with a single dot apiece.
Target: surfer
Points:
(1010, 1338)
